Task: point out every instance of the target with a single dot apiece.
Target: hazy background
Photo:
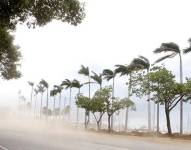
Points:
(113, 32)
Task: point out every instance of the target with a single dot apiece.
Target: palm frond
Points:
(97, 77)
(67, 83)
(108, 74)
(31, 83)
(168, 47)
(187, 50)
(84, 70)
(44, 83)
(165, 57)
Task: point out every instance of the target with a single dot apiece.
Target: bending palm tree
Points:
(85, 71)
(97, 78)
(126, 70)
(108, 75)
(41, 90)
(143, 63)
(36, 93)
(59, 89)
(53, 93)
(68, 85)
(32, 86)
(77, 84)
(174, 50)
(45, 84)
(188, 50)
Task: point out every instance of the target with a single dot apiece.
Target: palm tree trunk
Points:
(181, 101)
(31, 96)
(41, 105)
(113, 95)
(100, 112)
(153, 116)
(35, 106)
(127, 109)
(47, 105)
(157, 118)
(77, 115)
(149, 103)
(70, 103)
(54, 105)
(60, 104)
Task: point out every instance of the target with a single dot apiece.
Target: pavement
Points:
(45, 136)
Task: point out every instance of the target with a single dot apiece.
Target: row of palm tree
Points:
(139, 63)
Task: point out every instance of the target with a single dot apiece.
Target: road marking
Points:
(3, 148)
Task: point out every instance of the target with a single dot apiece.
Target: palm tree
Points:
(174, 50)
(35, 94)
(86, 72)
(59, 89)
(97, 78)
(143, 63)
(188, 50)
(41, 90)
(45, 84)
(77, 84)
(68, 85)
(108, 75)
(32, 86)
(53, 93)
(126, 70)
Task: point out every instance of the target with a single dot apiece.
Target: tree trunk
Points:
(181, 101)
(31, 97)
(54, 106)
(47, 105)
(35, 106)
(127, 109)
(109, 123)
(149, 104)
(60, 105)
(154, 116)
(168, 121)
(126, 118)
(157, 118)
(113, 95)
(70, 103)
(41, 105)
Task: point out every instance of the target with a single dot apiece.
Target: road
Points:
(53, 137)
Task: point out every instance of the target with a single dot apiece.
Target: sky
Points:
(113, 32)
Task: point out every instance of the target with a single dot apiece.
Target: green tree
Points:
(33, 13)
(174, 50)
(165, 90)
(9, 56)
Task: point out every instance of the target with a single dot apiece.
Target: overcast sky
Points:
(113, 32)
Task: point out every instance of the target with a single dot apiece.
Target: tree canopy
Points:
(33, 13)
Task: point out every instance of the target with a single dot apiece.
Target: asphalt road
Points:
(51, 137)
